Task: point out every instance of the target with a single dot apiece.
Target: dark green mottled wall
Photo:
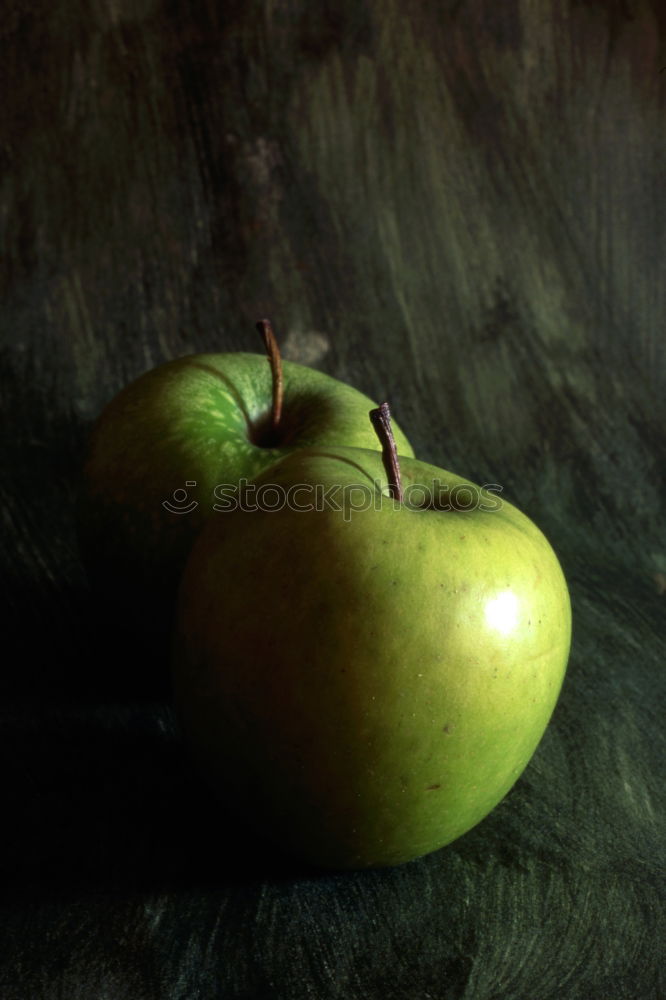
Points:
(456, 205)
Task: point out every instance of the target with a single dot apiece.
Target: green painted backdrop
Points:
(456, 205)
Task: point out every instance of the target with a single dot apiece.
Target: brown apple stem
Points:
(381, 421)
(265, 328)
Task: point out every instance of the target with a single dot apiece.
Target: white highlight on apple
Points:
(502, 612)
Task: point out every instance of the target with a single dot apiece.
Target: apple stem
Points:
(265, 328)
(381, 421)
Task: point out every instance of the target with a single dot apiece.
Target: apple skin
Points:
(197, 419)
(365, 691)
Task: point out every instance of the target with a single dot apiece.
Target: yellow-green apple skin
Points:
(198, 420)
(364, 686)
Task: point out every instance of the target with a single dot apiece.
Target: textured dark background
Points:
(458, 205)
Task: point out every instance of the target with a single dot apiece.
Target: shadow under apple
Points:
(106, 800)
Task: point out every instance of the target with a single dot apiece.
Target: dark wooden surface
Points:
(460, 206)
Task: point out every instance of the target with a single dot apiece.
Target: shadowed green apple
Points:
(165, 443)
(365, 671)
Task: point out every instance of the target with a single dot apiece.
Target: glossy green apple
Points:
(164, 445)
(365, 684)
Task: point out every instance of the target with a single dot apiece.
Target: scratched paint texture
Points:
(458, 206)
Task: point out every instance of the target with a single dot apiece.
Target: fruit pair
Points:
(367, 648)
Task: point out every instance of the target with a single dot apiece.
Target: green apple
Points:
(363, 665)
(170, 439)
